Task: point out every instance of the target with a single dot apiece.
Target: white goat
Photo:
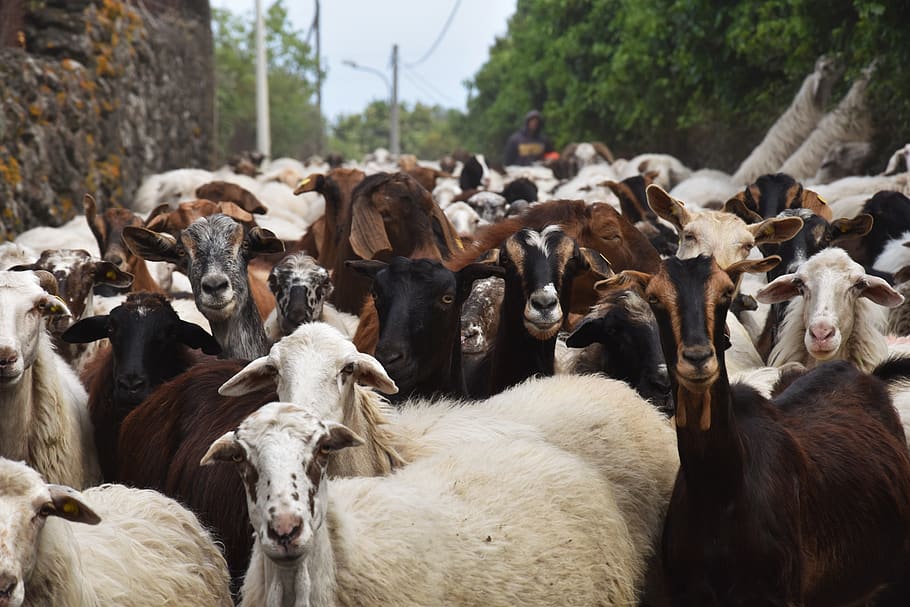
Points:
(170, 187)
(706, 187)
(464, 219)
(508, 519)
(587, 186)
(46, 422)
(111, 545)
(837, 316)
(670, 170)
(849, 121)
(793, 126)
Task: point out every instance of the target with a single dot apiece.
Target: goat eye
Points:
(238, 457)
(46, 510)
(652, 299)
(348, 368)
(861, 284)
(447, 298)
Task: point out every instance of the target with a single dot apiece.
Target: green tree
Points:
(295, 121)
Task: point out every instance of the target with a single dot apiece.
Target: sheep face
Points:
(301, 287)
(316, 366)
(26, 503)
(281, 452)
(24, 305)
(831, 285)
(464, 219)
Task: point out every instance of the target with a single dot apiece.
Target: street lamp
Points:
(393, 94)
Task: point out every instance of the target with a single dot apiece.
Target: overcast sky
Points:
(363, 31)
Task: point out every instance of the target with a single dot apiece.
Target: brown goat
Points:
(163, 218)
(803, 500)
(223, 191)
(337, 188)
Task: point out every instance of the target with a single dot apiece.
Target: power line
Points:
(445, 28)
(439, 94)
(426, 91)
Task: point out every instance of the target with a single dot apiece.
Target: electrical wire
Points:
(439, 94)
(445, 28)
(425, 90)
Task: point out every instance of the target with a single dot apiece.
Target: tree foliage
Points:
(702, 79)
(295, 121)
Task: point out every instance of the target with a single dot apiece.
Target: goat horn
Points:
(47, 281)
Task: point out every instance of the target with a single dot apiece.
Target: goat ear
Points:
(369, 372)
(314, 183)
(235, 212)
(152, 246)
(627, 204)
(68, 504)
(196, 337)
(737, 205)
(366, 267)
(95, 223)
(259, 374)
(586, 333)
(776, 229)
(627, 279)
(779, 289)
(666, 206)
(157, 220)
(224, 191)
(339, 437)
(751, 266)
(51, 305)
(845, 229)
(597, 263)
(442, 229)
(815, 203)
(226, 448)
(263, 241)
(878, 290)
(368, 235)
(489, 257)
(902, 275)
(466, 276)
(106, 273)
(87, 330)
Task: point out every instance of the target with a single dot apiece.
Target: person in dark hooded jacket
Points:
(528, 144)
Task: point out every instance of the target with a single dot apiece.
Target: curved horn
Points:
(47, 281)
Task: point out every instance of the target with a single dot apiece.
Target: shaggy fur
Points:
(451, 528)
(793, 126)
(147, 550)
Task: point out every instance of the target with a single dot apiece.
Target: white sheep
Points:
(836, 312)
(464, 219)
(587, 186)
(506, 519)
(849, 121)
(46, 422)
(705, 188)
(74, 234)
(110, 545)
(670, 170)
(793, 126)
(895, 255)
(170, 187)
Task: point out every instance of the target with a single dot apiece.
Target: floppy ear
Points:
(666, 206)
(603, 151)
(152, 246)
(235, 212)
(627, 204)
(369, 372)
(95, 223)
(627, 279)
(442, 228)
(776, 229)
(815, 203)
(314, 183)
(339, 437)
(157, 220)
(226, 449)
(845, 229)
(366, 267)
(751, 266)
(68, 504)
(259, 374)
(194, 336)
(596, 262)
(263, 241)
(878, 290)
(106, 273)
(87, 330)
(368, 235)
(223, 191)
(466, 276)
(737, 205)
(588, 331)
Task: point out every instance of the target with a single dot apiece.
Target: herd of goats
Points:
(412, 383)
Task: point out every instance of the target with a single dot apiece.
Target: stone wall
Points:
(103, 93)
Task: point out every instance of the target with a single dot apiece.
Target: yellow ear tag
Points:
(70, 508)
(458, 242)
(821, 200)
(769, 231)
(674, 210)
(111, 275)
(303, 182)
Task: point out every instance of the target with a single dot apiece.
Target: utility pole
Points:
(318, 26)
(393, 136)
(263, 135)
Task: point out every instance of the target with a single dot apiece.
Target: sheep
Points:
(837, 316)
(895, 256)
(843, 160)
(13, 254)
(587, 185)
(110, 545)
(506, 520)
(46, 422)
(706, 188)
(74, 234)
(796, 456)
(890, 212)
(301, 288)
(849, 121)
(670, 170)
(899, 161)
(837, 193)
(214, 252)
(794, 125)
(465, 220)
(490, 206)
(169, 188)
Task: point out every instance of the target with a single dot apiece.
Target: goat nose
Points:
(697, 355)
(131, 383)
(285, 528)
(115, 259)
(822, 331)
(214, 284)
(543, 300)
(8, 584)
